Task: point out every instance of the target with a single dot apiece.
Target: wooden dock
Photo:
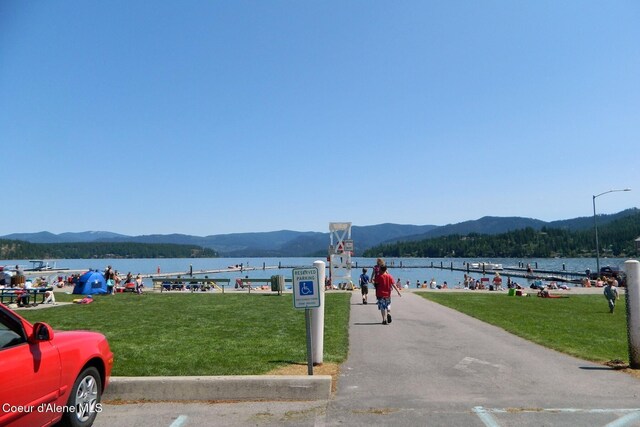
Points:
(191, 273)
(511, 271)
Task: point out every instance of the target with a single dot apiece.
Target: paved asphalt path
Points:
(431, 366)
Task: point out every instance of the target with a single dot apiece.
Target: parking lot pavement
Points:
(432, 366)
(174, 414)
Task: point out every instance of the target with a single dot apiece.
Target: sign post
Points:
(632, 268)
(306, 295)
(317, 318)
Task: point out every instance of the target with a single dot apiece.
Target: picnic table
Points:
(12, 294)
(191, 283)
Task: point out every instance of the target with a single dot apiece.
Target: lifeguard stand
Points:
(340, 251)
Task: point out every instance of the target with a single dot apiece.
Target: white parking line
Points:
(180, 421)
(485, 416)
(631, 417)
(627, 420)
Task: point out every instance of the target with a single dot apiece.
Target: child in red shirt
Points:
(384, 283)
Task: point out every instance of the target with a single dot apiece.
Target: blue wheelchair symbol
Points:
(306, 287)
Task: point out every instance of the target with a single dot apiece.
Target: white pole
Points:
(317, 318)
(632, 268)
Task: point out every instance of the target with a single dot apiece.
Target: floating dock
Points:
(523, 272)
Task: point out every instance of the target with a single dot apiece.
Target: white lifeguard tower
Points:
(340, 251)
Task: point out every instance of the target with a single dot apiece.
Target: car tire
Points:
(84, 399)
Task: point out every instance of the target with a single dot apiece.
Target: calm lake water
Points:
(398, 266)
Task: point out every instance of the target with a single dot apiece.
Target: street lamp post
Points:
(595, 225)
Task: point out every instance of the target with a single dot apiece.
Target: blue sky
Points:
(214, 117)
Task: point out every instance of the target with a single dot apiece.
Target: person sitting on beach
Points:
(433, 283)
(22, 298)
(60, 282)
(243, 283)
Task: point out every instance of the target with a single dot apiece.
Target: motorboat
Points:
(485, 266)
(40, 265)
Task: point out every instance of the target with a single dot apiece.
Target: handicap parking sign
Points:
(306, 289)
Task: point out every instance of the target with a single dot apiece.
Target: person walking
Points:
(611, 294)
(376, 270)
(384, 283)
(364, 285)
(139, 284)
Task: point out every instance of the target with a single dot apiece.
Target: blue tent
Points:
(91, 283)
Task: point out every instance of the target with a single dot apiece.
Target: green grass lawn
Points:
(580, 325)
(201, 334)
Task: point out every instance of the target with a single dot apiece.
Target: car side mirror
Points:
(42, 332)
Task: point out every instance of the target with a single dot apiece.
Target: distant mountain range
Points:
(286, 243)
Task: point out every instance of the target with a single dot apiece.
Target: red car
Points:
(47, 376)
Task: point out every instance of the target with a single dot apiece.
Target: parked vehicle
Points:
(48, 377)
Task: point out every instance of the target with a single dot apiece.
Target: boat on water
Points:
(485, 266)
(40, 265)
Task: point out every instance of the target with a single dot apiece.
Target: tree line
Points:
(616, 239)
(17, 249)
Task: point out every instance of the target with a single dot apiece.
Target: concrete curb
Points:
(247, 388)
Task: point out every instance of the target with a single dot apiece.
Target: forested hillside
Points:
(16, 249)
(616, 240)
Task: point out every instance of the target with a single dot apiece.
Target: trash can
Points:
(277, 283)
(17, 280)
(512, 292)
